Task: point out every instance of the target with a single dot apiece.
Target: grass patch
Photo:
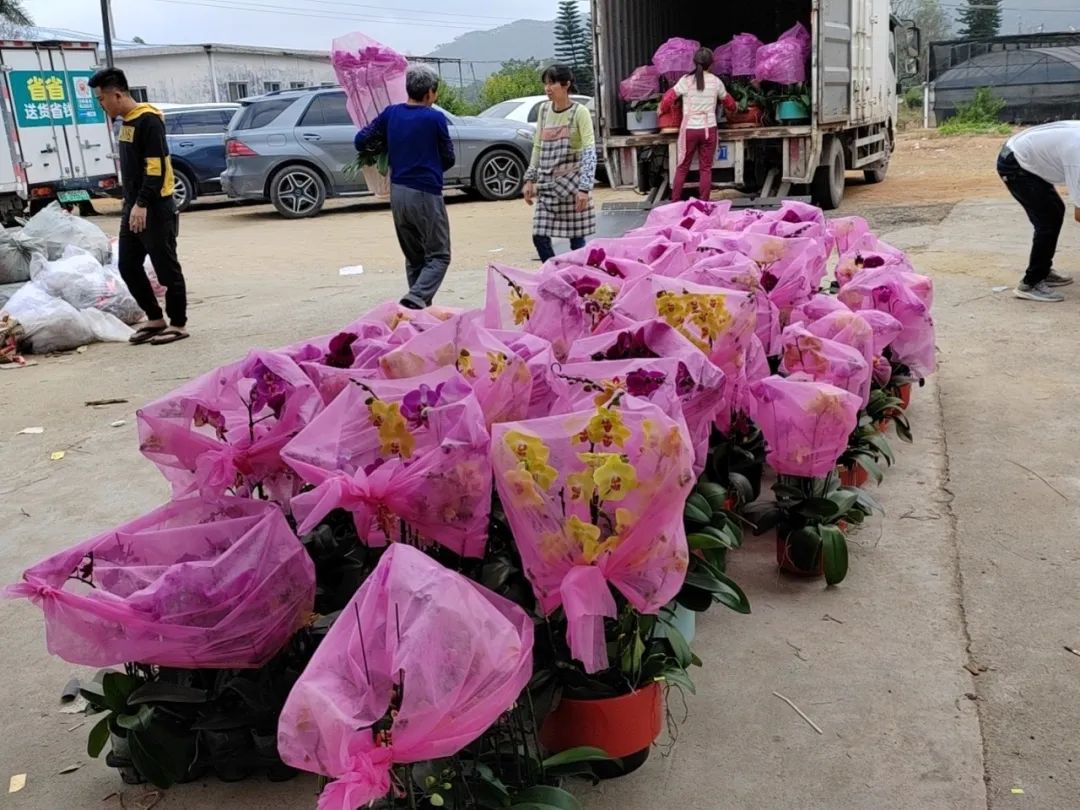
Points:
(977, 117)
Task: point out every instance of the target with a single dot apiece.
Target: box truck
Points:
(859, 53)
(57, 143)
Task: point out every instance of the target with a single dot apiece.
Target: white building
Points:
(188, 74)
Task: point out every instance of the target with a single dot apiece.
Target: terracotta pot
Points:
(625, 727)
(853, 476)
(792, 561)
(905, 395)
(753, 117)
(883, 425)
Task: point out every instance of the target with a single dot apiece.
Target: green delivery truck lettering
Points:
(43, 99)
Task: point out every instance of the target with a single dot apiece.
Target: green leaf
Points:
(116, 687)
(548, 797)
(158, 692)
(743, 488)
(699, 541)
(680, 678)
(572, 756)
(679, 646)
(162, 753)
(823, 509)
(835, 554)
(695, 599)
(138, 721)
(844, 500)
(763, 516)
(99, 735)
(872, 469)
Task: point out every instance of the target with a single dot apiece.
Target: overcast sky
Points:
(411, 26)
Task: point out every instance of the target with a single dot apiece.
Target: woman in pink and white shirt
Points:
(700, 92)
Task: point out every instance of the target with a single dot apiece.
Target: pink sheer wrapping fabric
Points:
(721, 65)
(595, 499)
(641, 85)
(198, 583)
(887, 290)
(744, 48)
(430, 654)
(826, 360)
(675, 58)
(223, 432)
(372, 75)
(393, 451)
(806, 424)
(500, 378)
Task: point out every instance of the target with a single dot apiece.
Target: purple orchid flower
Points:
(769, 280)
(628, 346)
(641, 383)
(870, 262)
(585, 286)
(270, 390)
(415, 404)
(341, 353)
(684, 382)
(596, 257)
(204, 416)
(373, 466)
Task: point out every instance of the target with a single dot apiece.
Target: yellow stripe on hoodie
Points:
(154, 165)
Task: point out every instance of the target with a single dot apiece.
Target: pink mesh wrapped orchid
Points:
(806, 424)
(198, 583)
(421, 663)
(372, 75)
(826, 360)
(408, 458)
(223, 432)
(595, 499)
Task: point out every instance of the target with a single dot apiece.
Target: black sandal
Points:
(145, 334)
(169, 335)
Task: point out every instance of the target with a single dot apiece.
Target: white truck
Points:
(58, 143)
(858, 54)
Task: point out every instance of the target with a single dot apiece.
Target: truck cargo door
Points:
(834, 60)
(37, 100)
(89, 135)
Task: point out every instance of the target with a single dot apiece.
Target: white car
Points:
(527, 110)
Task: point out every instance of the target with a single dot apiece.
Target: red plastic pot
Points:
(625, 727)
(753, 117)
(853, 476)
(905, 395)
(790, 566)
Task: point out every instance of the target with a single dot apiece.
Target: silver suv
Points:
(291, 148)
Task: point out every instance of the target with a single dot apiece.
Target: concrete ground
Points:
(967, 573)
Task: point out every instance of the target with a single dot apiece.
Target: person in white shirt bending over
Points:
(1031, 164)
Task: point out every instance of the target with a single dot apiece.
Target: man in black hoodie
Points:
(149, 222)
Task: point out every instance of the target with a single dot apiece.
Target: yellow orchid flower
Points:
(624, 522)
(523, 491)
(382, 411)
(827, 405)
(671, 307)
(616, 479)
(526, 448)
(581, 485)
(553, 545)
(607, 428)
(522, 305)
(497, 361)
(396, 440)
(587, 537)
(464, 364)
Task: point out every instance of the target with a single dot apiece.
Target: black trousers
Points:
(547, 251)
(158, 242)
(1044, 208)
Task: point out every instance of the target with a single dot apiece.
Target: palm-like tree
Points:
(12, 11)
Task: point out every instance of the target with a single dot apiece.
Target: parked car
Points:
(292, 148)
(196, 136)
(527, 109)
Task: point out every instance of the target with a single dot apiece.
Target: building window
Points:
(238, 90)
(297, 85)
(139, 94)
(271, 87)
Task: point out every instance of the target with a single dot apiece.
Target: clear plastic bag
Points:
(51, 324)
(59, 230)
(17, 251)
(420, 663)
(194, 584)
(82, 281)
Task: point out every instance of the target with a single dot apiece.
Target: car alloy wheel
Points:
(502, 176)
(299, 193)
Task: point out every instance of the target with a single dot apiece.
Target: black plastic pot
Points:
(229, 753)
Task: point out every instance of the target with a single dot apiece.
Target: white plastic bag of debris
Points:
(82, 281)
(59, 229)
(17, 250)
(51, 324)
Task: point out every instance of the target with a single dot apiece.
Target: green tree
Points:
(13, 12)
(453, 100)
(981, 19)
(573, 44)
(515, 78)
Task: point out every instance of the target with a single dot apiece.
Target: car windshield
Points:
(503, 110)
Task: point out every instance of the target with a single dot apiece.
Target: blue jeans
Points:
(546, 251)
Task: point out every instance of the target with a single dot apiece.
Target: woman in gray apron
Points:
(562, 172)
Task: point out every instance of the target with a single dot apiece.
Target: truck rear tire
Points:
(827, 189)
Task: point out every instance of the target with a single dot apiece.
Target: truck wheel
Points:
(827, 190)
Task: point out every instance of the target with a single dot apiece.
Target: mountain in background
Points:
(487, 50)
